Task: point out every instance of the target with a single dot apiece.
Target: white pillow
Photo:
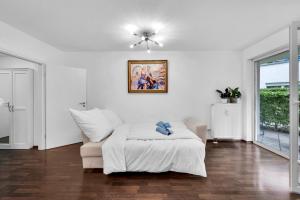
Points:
(93, 123)
(113, 118)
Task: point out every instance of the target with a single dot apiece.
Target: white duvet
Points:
(139, 148)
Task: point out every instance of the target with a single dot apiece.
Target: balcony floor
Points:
(275, 140)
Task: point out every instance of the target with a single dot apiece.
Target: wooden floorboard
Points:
(236, 170)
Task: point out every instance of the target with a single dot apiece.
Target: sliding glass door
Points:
(272, 103)
(274, 82)
(277, 104)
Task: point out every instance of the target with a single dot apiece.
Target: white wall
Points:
(193, 79)
(19, 43)
(272, 43)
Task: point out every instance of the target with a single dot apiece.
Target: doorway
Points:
(20, 105)
(272, 103)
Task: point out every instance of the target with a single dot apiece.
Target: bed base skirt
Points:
(92, 162)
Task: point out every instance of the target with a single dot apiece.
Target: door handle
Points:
(9, 107)
(83, 104)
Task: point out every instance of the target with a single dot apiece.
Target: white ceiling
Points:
(99, 25)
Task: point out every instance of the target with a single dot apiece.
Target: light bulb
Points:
(148, 51)
(131, 46)
(143, 38)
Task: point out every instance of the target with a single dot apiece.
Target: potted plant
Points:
(224, 95)
(235, 94)
(229, 95)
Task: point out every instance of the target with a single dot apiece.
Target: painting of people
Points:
(147, 76)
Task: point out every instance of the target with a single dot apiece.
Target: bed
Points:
(138, 148)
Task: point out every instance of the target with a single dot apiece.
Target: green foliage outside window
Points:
(274, 109)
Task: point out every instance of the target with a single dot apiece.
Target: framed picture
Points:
(147, 76)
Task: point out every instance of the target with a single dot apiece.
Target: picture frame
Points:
(147, 76)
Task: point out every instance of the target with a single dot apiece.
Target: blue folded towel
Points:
(160, 124)
(163, 131)
(163, 124)
(163, 128)
(167, 125)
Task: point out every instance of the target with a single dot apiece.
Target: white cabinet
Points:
(16, 114)
(226, 121)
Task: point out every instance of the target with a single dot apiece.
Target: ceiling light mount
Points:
(146, 37)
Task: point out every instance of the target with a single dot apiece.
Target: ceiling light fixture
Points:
(145, 37)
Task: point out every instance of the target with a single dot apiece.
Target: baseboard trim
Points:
(229, 140)
(66, 145)
(63, 143)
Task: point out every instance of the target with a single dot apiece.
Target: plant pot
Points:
(224, 100)
(233, 100)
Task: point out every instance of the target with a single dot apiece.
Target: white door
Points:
(5, 114)
(22, 109)
(65, 89)
(294, 107)
(16, 114)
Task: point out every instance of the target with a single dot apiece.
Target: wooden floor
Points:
(236, 171)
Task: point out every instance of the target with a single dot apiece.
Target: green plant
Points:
(229, 93)
(234, 93)
(225, 94)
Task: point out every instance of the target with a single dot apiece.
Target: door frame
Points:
(294, 108)
(257, 99)
(39, 92)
